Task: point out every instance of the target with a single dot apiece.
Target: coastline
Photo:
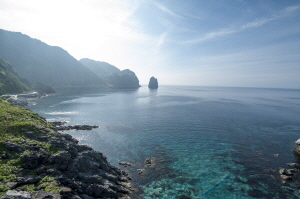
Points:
(44, 162)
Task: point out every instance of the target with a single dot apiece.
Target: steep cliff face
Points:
(39, 162)
(39, 62)
(153, 83)
(10, 82)
(124, 79)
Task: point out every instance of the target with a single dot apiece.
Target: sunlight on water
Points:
(205, 142)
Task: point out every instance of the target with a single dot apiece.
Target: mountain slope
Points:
(9, 80)
(112, 75)
(102, 69)
(39, 62)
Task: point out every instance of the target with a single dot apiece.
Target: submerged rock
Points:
(125, 164)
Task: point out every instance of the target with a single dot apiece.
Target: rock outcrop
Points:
(289, 174)
(59, 126)
(153, 84)
(124, 79)
(297, 148)
(80, 172)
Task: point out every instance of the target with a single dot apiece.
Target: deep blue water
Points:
(206, 142)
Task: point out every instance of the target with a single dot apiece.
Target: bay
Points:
(206, 142)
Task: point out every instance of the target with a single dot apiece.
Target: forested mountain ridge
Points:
(102, 69)
(39, 62)
(113, 76)
(10, 82)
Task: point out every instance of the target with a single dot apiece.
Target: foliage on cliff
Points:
(102, 69)
(9, 81)
(38, 62)
(124, 79)
(47, 164)
(12, 120)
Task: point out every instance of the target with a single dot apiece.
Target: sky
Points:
(239, 43)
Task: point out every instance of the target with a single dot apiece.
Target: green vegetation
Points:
(123, 79)
(12, 120)
(48, 183)
(38, 62)
(9, 80)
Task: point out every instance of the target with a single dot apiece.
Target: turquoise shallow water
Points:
(206, 142)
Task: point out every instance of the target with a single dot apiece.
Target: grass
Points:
(12, 120)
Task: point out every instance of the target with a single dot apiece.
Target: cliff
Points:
(111, 74)
(123, 79)
(38, 162)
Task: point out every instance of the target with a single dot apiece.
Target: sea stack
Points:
(153, 84)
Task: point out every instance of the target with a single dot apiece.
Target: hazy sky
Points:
(254, 43)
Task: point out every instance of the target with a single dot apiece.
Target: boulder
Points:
(294, 165)
(297, 148)
(16, 195)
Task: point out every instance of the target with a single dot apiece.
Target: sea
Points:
(204, 142)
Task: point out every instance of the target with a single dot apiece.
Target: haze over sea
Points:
(206, 142)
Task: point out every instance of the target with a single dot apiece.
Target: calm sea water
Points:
(206, 142)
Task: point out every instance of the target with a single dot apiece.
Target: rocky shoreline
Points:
(59, 126)
(78, 170)
(23, 99)
(294, 171)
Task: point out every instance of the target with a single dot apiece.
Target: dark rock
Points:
(33, 160)
(287, 172)
(31, 179)
(66, 192)
(45, 195)
(286, 177)
(125, 164)
(13, 147)
(81, 148)
(6, 156)
(153, 84)
(148, 162)
(81, 171)
(183, 197)
(60, 160)
(140, 171)
(294, 165)
(58, 123)
(76, 127)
